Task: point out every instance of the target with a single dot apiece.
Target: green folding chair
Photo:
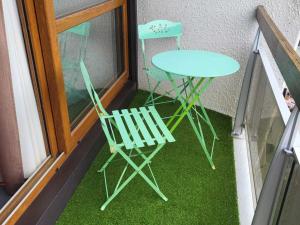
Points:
(137, 128)
(158, 29)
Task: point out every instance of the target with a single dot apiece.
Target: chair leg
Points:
(107, 162)
(138, 170)
(123, 173)
(144, 176)
(150, 89)
(151, 97)
(153, 101)
(145, 157)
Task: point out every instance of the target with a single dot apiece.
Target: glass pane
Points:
(265, 127)
(65, 7)
(290, 211)
(99, 44)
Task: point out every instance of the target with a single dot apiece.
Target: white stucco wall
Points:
(223, 26)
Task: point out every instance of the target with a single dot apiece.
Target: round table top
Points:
(195, 63)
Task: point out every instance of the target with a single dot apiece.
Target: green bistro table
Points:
(199, 68)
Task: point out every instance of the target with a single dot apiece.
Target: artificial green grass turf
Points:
(197, 194)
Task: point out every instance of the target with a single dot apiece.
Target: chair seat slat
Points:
(142, 127)
(132, 128)
(124, 135)
(152, 126)
(161, 124)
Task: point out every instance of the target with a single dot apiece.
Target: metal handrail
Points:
(285, 56)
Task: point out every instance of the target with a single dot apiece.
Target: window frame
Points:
(50, 27)
(34, 15)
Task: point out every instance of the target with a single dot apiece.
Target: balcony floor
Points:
(197, 194)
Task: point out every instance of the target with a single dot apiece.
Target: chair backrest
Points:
(91, 90)
(159, 29)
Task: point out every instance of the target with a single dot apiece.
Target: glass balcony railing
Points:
(265, 127)
(272, 130)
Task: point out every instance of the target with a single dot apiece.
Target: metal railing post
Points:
(244, 94)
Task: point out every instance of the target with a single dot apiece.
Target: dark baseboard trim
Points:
(53, 199)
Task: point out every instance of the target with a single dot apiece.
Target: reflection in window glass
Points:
(265, 127)
(65, 7)
(99, 44)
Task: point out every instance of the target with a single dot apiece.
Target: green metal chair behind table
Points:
(158, 29)
(127, 131)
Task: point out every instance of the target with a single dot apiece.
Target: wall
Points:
(223, 26)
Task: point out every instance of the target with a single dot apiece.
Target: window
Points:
(95, 35)
(98, 43)
(59, 34)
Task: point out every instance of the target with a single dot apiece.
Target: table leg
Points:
(182, 111)
(186, 106)
(206, 117)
